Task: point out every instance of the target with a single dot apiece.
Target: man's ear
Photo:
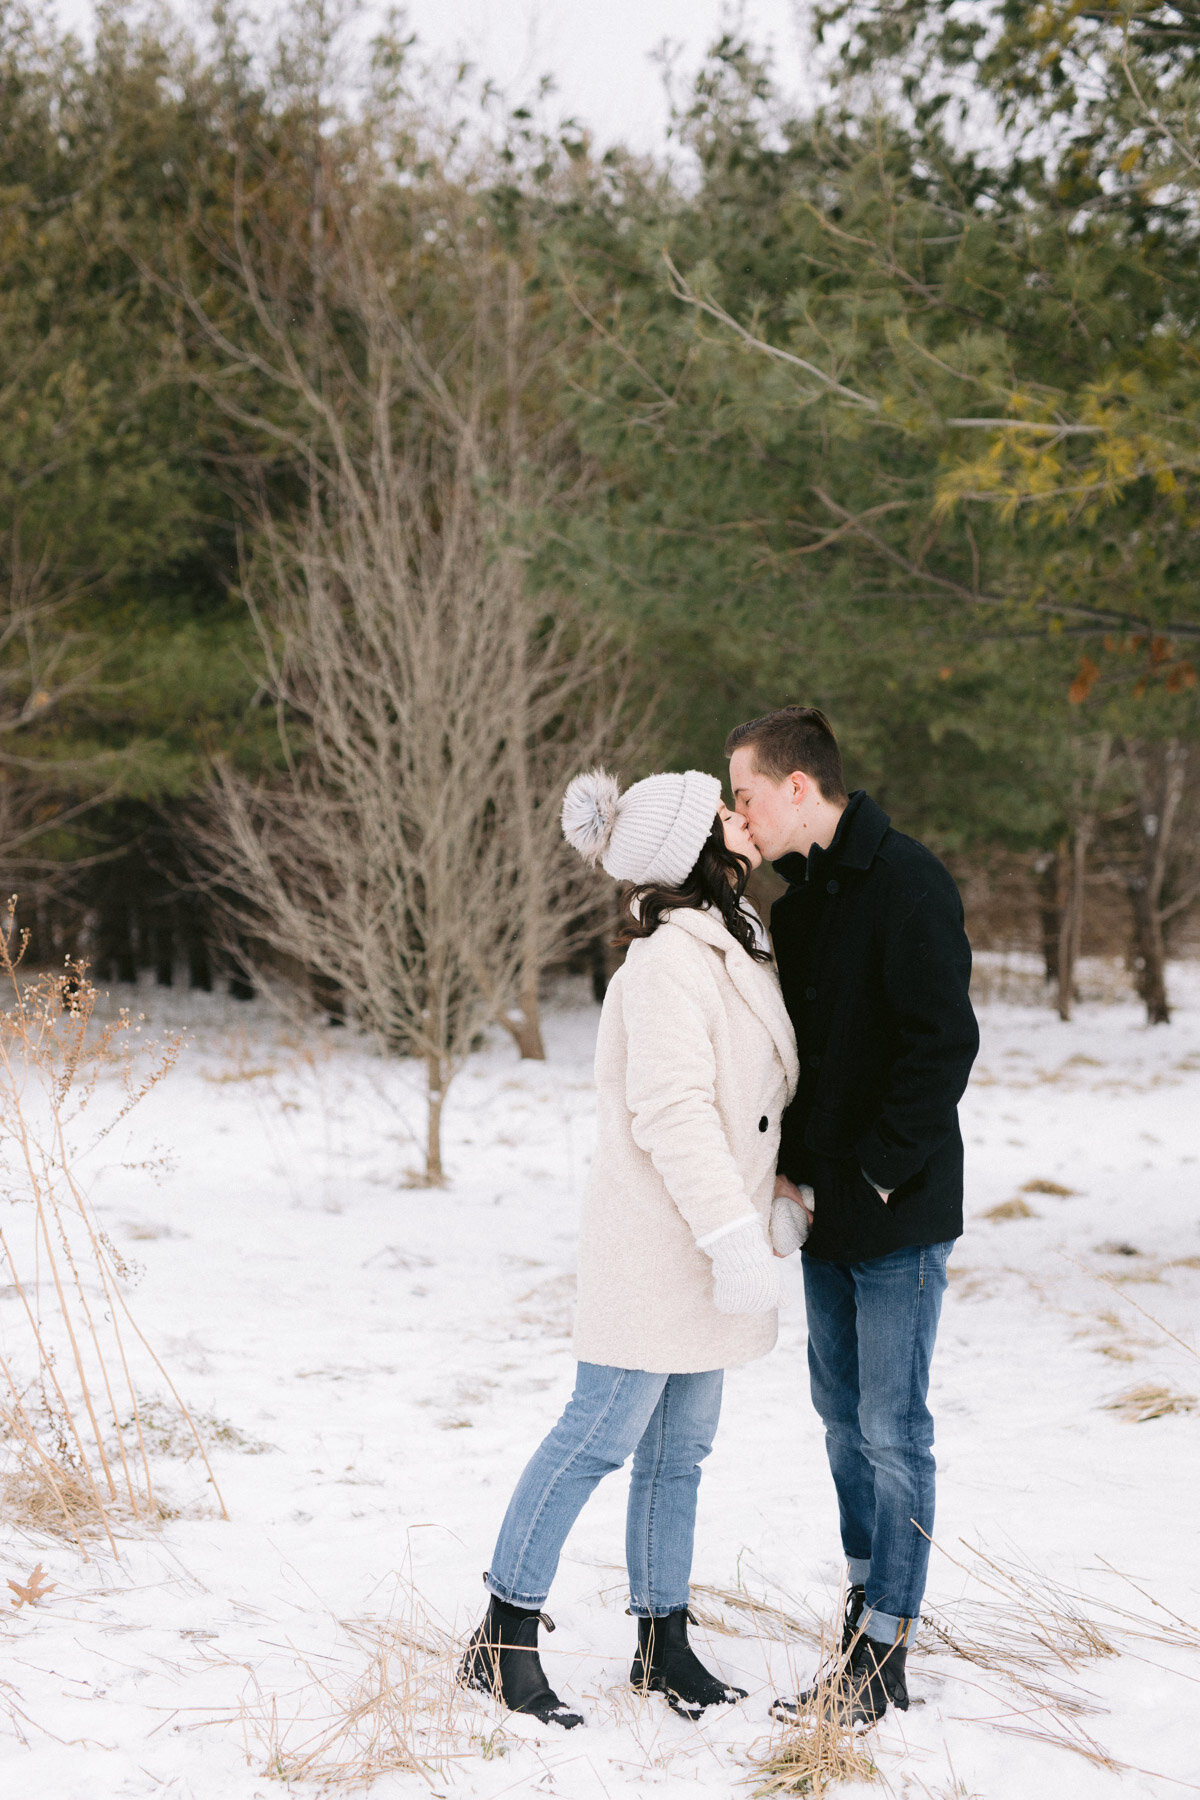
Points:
(799, 781)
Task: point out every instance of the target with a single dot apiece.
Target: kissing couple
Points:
(750, 1103)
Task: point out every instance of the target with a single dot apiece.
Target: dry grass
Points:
(386, 1702)
(1026, 1623)
(1035, 1633)
(814, 1755)
(73, 1453)
(45, 1497)
(1008, 1210)
(1054, 1188)
(549, 1308)
(225, 1076)
(1150, 1401)
(820, 1749)
(736, 1613)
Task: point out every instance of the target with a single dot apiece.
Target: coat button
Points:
(810, 993)
(831, 887)
(814, 1062)
(763, 1122)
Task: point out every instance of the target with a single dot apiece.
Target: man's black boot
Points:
(788, 1710)
(665, 1663)
(877, 1675)
(502, 1660)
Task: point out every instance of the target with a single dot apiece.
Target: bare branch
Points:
(682, 291)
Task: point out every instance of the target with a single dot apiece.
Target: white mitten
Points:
(789, 1223)
(745, 1279)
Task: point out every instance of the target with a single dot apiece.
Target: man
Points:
(875, 967)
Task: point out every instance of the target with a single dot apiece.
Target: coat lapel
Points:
(756, 982)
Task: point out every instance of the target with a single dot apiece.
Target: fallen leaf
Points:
(35, 1589)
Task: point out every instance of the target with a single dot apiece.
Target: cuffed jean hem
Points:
(857, 1570)
(888, 1628)
(655, 1611)
(528, 1602)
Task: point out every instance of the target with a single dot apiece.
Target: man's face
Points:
(769, 807)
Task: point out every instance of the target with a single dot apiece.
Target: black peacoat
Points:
(876, 968)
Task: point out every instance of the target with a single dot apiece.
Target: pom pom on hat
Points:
(655, 831)
(589, 812)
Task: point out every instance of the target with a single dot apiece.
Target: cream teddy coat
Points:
(695, 1062)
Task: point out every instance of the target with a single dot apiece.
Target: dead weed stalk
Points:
(72, 1444)
(711, 1608)
(1034, 1631)
(387, 1702)
(821, 1748)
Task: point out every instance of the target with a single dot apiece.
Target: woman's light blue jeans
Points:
(668, 1422)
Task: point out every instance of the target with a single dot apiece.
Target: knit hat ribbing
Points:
(653, 832)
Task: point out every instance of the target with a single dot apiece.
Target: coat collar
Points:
(756, 982)
(861, 829)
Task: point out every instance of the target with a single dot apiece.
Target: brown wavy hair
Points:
(717, 878)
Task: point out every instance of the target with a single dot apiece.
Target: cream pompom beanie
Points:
(652, 832)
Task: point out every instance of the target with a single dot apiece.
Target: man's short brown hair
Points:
(795, 737)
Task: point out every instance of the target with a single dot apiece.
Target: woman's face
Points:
(737, 836)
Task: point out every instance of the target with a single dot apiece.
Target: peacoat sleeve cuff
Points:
(886, 1165)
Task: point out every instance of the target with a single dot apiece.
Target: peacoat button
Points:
(763, 1122)
(810, 993)
(814, 1062)
(831, 887)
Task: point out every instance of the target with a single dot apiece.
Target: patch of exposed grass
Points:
(1150, 1401)
(225, 1076)
(1008, 1210)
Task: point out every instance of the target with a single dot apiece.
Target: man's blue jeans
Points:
(871, 1331)
(668, 1422)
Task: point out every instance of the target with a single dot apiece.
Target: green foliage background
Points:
(839, 524)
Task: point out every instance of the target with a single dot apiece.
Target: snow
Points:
(379, 1360)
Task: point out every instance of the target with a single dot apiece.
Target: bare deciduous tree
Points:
(1093, 762)
(1162, 874)
(431, 710)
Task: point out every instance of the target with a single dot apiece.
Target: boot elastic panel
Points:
(666, 1664)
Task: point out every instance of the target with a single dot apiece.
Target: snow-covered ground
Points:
(376, 1361)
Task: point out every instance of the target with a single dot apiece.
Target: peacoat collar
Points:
(756, 982)
(861, 829)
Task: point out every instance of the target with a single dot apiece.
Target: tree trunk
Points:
(1070, 867)
(1160, 771)
(1046, 868)
(1070, 929)
(438, 1081)
(1150, 959)
(525, 1024)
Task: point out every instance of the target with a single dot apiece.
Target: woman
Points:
(695, 1062)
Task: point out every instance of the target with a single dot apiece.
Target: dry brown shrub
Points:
(73, 1453)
